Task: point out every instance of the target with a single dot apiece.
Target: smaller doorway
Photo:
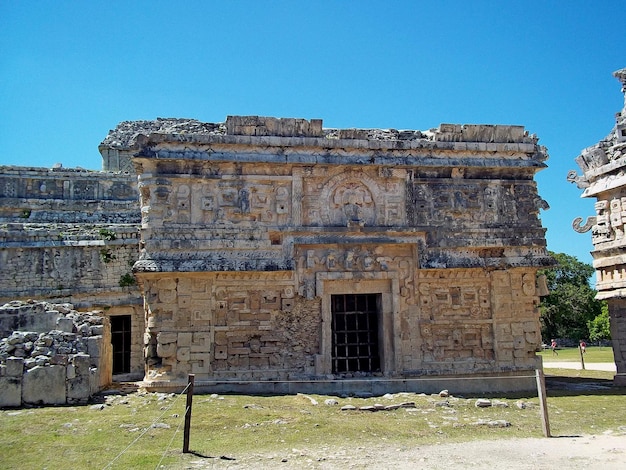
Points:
(355, 338)
(120, 342)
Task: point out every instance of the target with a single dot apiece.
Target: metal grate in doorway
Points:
(355, 333)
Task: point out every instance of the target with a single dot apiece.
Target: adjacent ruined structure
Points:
(275, 255)
(71, 236)
(604, 177)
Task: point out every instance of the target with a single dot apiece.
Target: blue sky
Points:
(71, 70)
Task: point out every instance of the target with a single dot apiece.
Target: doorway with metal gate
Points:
(120, 342)
(355, 333)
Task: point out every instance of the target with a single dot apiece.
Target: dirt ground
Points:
(607, 452)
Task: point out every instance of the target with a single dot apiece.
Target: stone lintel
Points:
(497, 158)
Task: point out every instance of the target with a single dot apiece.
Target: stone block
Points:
(94, 346)
(78, 389)
(184, 339)
(65, 324)
(166, 350)
(517, 329)
(183, 354)
(14, 367)
(96, 330)
(220, 352)
(44, 386)
(10, 391)
(81, 363)
(505, 355)
(519, 342)
(167, 337)
(201, 342)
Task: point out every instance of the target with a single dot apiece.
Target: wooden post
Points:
(582, 359)
(543, 403)
(192, 378)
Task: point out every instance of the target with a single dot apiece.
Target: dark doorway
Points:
(120, 340)
(355, 333)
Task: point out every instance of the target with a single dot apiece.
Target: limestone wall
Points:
(71, 235)
(66, 365)
(249, 231)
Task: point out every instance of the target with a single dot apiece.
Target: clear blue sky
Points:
(71, 70)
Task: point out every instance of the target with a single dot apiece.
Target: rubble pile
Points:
(59, 366)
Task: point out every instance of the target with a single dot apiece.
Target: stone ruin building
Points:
(57, 356)
(604, 177)
(274, 255)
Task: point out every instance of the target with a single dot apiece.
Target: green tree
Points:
(571, 304)
(600, 327)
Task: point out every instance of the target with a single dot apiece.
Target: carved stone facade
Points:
(276, 252)
(604, 177)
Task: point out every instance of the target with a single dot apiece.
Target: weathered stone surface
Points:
(266, 219)
(253, 227)
(44, 386)
(603, 167)
(78, 389)
(10, 391)
(53, 362)
(65, 324)
(14, 366)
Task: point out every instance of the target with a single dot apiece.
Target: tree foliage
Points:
(571, 304)
(599, 327)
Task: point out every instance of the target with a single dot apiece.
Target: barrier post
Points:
(582, 358)
(192, 378)
(543, 403)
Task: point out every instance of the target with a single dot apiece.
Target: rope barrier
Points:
(180, 421)
(187, 409)
(145, 431)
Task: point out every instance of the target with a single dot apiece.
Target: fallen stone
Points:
(348, 408)
(409, 404)
(44, 386)
(369, 408)
(161, 425)
(500, 404)
(482, 403)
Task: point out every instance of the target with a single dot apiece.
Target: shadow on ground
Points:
(563, 386)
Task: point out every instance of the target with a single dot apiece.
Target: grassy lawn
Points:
(593, 354)
(237, 425)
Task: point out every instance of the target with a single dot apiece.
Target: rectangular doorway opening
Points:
(120, 342)
(355, 345)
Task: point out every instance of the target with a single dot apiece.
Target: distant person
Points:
(553, 346)
(583, 347)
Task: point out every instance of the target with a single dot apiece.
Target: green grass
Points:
(239, 425)
(581, 374)
(593, 354)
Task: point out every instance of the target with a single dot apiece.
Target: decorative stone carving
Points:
(251, 229)
(604, 174)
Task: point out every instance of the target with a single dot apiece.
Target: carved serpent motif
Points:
(591, 221)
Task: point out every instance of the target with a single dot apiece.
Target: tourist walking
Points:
(553, 346)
